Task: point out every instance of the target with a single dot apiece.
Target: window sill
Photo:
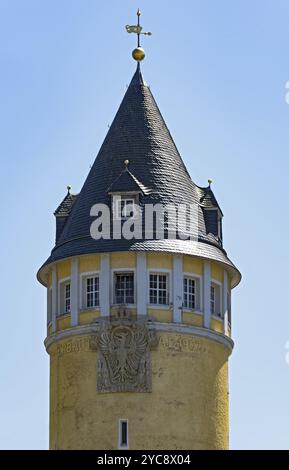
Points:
(63, 314)
(89, 309)
(190, 310)
(159, 306)
(123, 306)
(217, 317)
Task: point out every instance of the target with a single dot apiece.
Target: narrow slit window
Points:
(213, 299)
(123, 433)
(67, 298)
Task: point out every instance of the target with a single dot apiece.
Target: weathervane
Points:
(138, 53)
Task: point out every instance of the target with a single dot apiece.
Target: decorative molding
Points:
(124, 345)
(180, 328)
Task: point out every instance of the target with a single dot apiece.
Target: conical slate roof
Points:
(138, 134)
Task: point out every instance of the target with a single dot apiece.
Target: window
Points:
(229, 300)
(64, 297)
(123, 434)
(158, 289)
(124, 288)
(189, 293)
(213, 220)
(213, 296)
(216, 299)
(92, 291)
(124, 206)
(67, 297)
(49, 305)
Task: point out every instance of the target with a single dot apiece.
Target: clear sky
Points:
(218, 71)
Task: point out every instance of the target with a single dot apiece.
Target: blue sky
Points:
(218, 72)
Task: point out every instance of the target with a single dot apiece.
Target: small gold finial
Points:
(138, 53)
(126, 163)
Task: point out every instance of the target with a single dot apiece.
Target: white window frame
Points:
(61, 296)
(219, 286)
(83, 289)
(120, 444)
(168, 273)
(117, 200)
(199, 292)
(123, 271)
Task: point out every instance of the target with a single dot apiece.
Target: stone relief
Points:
(124, 344)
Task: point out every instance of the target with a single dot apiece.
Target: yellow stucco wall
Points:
(187, 409)
(63, 322)
(88, 316)
(122, 260)
(217, 325)
(192, 265)
(63, 270)
(159, 261)
(89, 264)
(217, 272)
(192, 318)
(161, 315)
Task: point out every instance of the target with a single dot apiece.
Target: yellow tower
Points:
(138, 296)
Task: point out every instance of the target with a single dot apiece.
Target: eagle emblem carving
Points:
(123, 346)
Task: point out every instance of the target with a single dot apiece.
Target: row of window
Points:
(124, 292)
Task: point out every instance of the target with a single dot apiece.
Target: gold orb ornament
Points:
(138, 54)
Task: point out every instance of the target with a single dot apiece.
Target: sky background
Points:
(218, 72)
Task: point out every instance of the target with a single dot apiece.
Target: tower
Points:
(139, 315)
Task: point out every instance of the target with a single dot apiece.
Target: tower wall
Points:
(187, 407)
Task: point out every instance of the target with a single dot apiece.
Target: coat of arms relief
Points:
(123, 344)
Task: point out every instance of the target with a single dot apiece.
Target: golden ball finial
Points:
(138, 54)
(126, 163)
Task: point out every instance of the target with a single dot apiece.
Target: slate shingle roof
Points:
(127, 182)
(138, 134)
(64, 208)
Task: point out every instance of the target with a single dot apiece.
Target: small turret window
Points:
(49, 305)
(158, 289)
(216, 299)
(123, 206)
(92, 291)
(64, 297)
(191, 293)
(67, 298)
(213, 219)
(124, 288)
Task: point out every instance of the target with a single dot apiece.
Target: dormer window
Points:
(213, 219)
(124, 206)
